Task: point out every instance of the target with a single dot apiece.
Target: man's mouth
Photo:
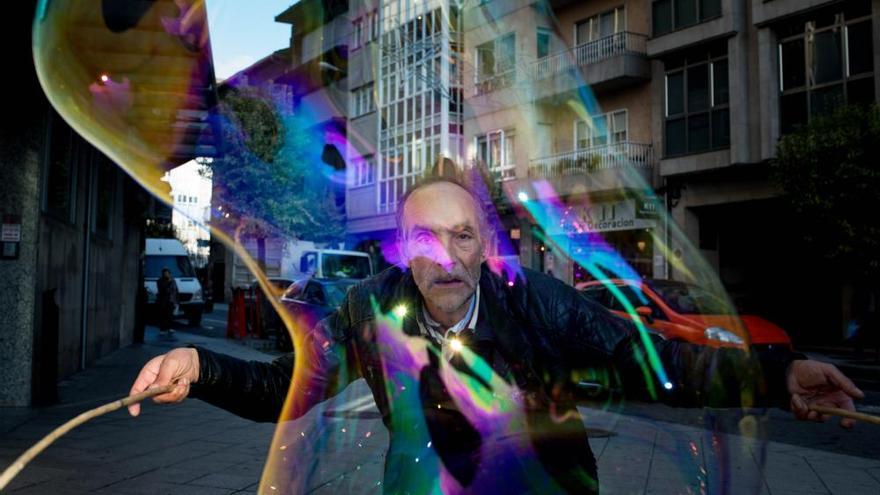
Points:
(449, 283)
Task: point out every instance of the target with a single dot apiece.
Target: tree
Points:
(830, 174)
(269, 179)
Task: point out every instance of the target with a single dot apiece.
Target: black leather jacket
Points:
(542, 334)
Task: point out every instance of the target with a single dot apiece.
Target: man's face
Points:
(442, 245)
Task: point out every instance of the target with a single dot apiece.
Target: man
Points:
(166, 301)
(534, 333)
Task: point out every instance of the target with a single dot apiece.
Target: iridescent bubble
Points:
(369, 97)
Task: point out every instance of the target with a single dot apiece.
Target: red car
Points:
(686, 312)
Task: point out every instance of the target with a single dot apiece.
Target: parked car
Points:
(686, 312)
(311, 300)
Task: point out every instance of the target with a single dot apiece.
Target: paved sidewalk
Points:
(194, 448)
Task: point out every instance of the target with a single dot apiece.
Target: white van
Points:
(170, 254)
(335, 263)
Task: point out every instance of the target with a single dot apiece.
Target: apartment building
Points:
(560, 93)
(728, 79)
(623, 108)
(405, 107)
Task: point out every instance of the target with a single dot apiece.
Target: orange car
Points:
(686, 312)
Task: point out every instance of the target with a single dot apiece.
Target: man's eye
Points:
(423, 238)
(464, 236)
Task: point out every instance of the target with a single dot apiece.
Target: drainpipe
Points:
(86, 264)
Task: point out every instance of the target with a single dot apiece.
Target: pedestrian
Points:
(166, 301)
(537, 334)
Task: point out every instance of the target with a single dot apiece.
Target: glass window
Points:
(698, 133)
(793, 111)
(685, 13)
(662, 16)
(827, 57)
(674, 93)
(582, 32)
(619, 127)
(859, 44)
(721, 127)
(793, 68)
(698, 87)
(543, 42)
(824, 62)
(720, 83)
(710, 9)
(676, 139)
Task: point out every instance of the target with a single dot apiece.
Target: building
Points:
(560, 92)
(626, 109)
(405, 107)
(191, 193)
(728, 79)
(73, 221)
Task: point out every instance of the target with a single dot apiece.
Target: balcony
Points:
(603, 165)
(612, 61)
(489, 84)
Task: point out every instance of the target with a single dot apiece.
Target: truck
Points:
(171, 254)
(335, 263)
(303, 259)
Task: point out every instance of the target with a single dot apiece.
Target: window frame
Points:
(808, 87)
(619, 12)
(506, 168)
(686, 115)
(609, 130)
(700, 18)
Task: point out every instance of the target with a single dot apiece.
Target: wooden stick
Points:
(836, 411)
(12, 471)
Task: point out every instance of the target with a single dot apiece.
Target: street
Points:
(196, 448)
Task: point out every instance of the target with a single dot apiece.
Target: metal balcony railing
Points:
(588, 160)
(502, 80)
(591, 52)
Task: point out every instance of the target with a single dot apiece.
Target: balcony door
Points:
(600, 26)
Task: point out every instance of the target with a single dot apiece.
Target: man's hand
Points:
(180, 365)
(813, 382)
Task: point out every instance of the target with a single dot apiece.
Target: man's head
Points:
(444, 237)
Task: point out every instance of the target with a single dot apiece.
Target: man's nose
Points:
(443, 256)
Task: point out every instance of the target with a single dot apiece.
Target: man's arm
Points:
(256, 390)
(690, 375)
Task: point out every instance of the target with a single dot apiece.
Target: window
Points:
(362, 101)
(60, 176)
(697, 115)
(600, 26)
(824, 63)
(496, 150)
(365, 29)
(364, 171)
(496, 57)
(604, 127)
(543, 42)
(669, 15)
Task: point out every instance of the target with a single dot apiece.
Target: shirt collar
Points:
(469, 321)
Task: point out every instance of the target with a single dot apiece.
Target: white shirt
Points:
(432, 329)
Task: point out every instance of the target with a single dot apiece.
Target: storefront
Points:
(613, 235)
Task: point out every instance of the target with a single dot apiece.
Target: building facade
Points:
(624, 108)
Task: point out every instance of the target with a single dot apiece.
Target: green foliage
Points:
(829, 171)
(270, 177)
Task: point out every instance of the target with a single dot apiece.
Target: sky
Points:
(244, 32)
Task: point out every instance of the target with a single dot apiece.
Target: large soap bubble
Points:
(369, 96)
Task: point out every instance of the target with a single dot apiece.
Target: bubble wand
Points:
(12, 471)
